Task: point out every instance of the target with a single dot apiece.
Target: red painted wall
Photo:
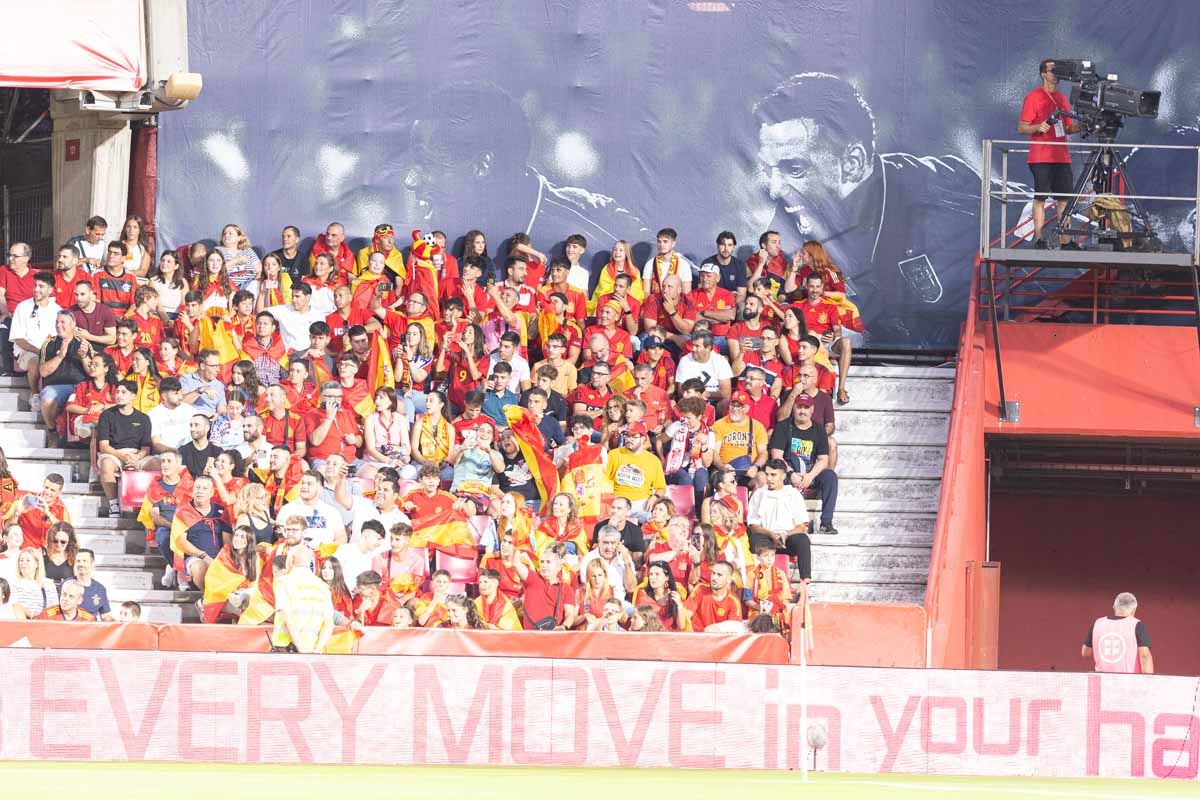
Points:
(1065, 558)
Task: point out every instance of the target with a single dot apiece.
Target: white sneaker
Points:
(168, 578)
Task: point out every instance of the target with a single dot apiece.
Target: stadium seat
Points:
(479, 525)
(782, 562)
(684, 500)
(462, 570)
(406, 486)
(133, 488)
(743, 494)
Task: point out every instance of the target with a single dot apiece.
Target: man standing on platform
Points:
(1049, 163)
(1119, 642)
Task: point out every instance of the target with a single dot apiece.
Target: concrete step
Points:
(12, 401)
(887, 495)
(16, 437)
(897, 394)
(127, 579)
(93, 522)
(130, 561)
(945, 373)
(104, 545)
(890, 461)
(822, 592)
(162, 596)
(892, 427)
(83, 505)
(11, 417)
(163, 613)
(30, 474)
(859, 557)
(869, 529)
(14, 382)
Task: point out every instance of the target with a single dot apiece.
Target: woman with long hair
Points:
(228, 472)
(243, 378)
(722, 488)
(645, 620)
(61, 548)
(240, 259)
(614, 420)
(31, 589)
(660, 591)
(433, 435)
(167, 279)
(563, 525)
(234, 571)
(476, 461)
(703, 556)
(272, 286)
(137, 246)
(461, 613)
(464, 365)
(387, 440)
(144, 372)
(252, 509)
(324, 279)
(475, 244)
(595, 593)
(620, 262)
(513, 518)
(733, 545)
(90, 398)
(655, 528)
(331, 574)
(170, 360)
(213, 283)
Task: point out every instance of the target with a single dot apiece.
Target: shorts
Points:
(60, 393)
(1052, 178)
(23, 359)
(140, 464)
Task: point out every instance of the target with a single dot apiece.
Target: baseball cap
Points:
(709, 266)
(741, 397)
(804, 400)
(636, 429)
(652, 341)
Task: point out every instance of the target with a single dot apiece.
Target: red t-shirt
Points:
(64, 290)
(592, 398)
(1038, 105)
(290, 430)
(123, 362)
(459, 380)
(721, 300)
(657, 404)
(664, 370)
(543, 599)
(635, 305)
(763, 410)
(338, 325)
(344, 424)
(149, 331)
(707, 610)
(619, 342)
(821, 317)
(653, 310)
(16, 287)
(116, 292)
(576, 301)
(466, 427)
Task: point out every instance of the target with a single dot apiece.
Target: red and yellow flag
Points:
(158, 492)
(533, 448)
(223, 578)
(446, 530)
(379, 374)
(216, 334)
(621, 380)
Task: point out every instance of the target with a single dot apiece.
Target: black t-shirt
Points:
(1139, 632)
(800, 447)
(517, 477)
(195, 459)
(733, 274)
(296, 267)
(123, 431)
(556, 405)
(70, 371)
(631, 536)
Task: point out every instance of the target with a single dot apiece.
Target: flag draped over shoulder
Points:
(533, 448)
(262, 602)
(379, 374)
(159, 492)
(446, 530)
(216, 334)
(223, 578)
(186, 516)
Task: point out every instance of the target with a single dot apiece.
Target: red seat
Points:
(782, 562)
(133, 488)
(684, 500)
(406, 486)
(462, 570)
(743, 494)
(479, 526)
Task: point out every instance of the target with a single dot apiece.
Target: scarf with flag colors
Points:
(379, 375)
(533, 448)
(216, 334)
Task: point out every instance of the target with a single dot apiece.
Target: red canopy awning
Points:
(74, 44)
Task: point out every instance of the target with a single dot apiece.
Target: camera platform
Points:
(1086, 259)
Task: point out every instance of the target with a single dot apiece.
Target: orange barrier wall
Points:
(1066, 557)
(90, 636)
(1096, 380)
(864, 634)
(961, 530)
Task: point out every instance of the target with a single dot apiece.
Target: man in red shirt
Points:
(68, 610)
(576, 300)
(344, 317)
(122, 352)
(95, 322)
(472, 418)
(550, 603)
(658, 402)
(715, 604)
(149, 325)
(825, 320)
(43, 511)
(427, 499)
(16, 285)
(333, 242)
(332, 428)
(713, 303)
(671, 310)
(67, 273)
(619, 342)
(282, 426)
(591, 397)
(631, 307)
(769, 262)
(1049, 163)
(115, 283)
(762, 406)
(744, 335)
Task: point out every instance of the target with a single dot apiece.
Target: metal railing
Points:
(26, 216)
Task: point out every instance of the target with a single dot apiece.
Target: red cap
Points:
(636, 428)
(741, 397)
(803, 400)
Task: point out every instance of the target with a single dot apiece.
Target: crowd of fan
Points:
(628, 449)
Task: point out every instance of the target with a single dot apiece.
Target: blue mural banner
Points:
(854, 122)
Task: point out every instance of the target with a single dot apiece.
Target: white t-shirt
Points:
(172, 426)
(324, 521)
(355, 562)
(293, 325)
(578, 278)
(520, 371)
(712, 372)
(33, 329)
(97, 251)
(369, 511)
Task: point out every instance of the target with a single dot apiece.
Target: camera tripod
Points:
(1105, 172)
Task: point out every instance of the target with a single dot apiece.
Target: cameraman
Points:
(1049, 163)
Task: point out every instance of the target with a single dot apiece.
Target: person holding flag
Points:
(532, 445)
(261, 605)
(198, 530)
(231, 576)
(383, 243)
(380, 375)
(495, 610)
(157, 514)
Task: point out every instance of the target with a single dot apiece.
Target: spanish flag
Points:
(343, 642)
(446, 530)
(186, 516)
(379, 374)
(216, 334)
(533, 448)
(621, 380)
(262, 602)
(850, 317)
(157, 492)
(222, 579)
(147, 396)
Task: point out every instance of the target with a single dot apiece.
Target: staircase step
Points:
(126, 579)
(890, 461)
(30, 474)
(945, 373)
(858, 557)
(897, 394)
(906, 577)
(93, 522)
(870, 529)
(892, 427)
(104, 545)
(886, 495)
(153, 596)
(14, 401)
(129, 561)
(821, 592)
(163, 613)
(16, 437)
(9, 416)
